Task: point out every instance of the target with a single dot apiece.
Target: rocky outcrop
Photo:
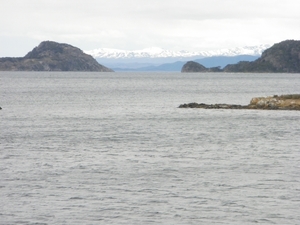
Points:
(283, 57)
(290, 102)
(53, 56)
(194, 67)
(211, 106)
(283, 102)
(191, 66)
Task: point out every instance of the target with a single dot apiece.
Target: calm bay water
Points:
(114, 148)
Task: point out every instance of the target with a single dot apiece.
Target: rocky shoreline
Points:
(283, 102)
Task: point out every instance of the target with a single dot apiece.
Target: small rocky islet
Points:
(283, 102)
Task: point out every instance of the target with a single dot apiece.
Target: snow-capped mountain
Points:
(155, 52)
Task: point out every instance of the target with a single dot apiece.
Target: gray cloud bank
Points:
(135, 24)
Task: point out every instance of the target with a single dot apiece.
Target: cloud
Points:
(134, 24)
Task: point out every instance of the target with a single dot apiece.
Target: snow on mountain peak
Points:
(155, 52)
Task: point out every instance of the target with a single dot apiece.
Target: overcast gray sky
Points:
(193, 25)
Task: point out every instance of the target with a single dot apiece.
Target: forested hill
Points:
(283, 57)
(53, 56)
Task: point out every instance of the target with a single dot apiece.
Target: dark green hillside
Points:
(53, 56)
(283, 57)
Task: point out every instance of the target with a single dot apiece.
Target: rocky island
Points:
(195, 67)
(283, 57)
(53, 56)
(283, 102)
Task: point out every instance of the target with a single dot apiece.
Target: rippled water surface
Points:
(114, 148)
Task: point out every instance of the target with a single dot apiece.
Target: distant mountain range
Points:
(158, 59)
(155, 52)
(214, 61)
